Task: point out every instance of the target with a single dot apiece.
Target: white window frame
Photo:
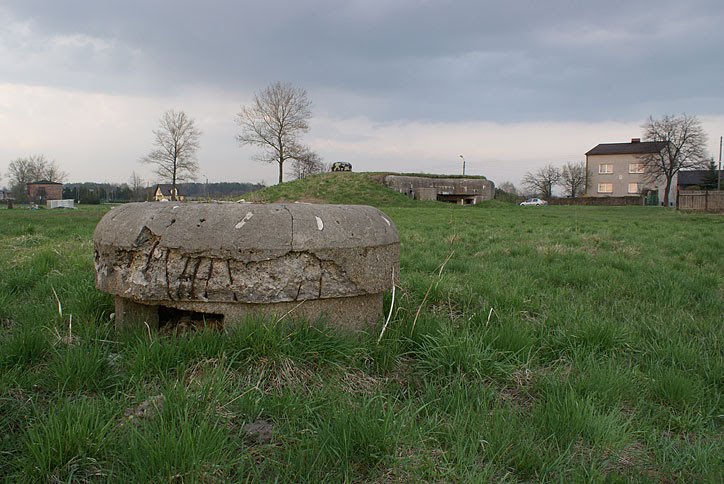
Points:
(636, 185)
(636, 168)
(601, 185)
(605, 169)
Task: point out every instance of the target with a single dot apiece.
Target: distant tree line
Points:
(94, 193)
(218, 189)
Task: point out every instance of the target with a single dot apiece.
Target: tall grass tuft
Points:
(70, 442)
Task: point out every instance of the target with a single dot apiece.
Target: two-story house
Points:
(616, 170)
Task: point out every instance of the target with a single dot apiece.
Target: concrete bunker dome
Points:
(226, 261)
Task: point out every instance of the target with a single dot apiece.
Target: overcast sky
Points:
(400, 85)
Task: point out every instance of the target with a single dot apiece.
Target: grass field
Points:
(551, 344)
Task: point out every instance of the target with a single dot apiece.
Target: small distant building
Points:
(617, 170)
(41, 191)
(462, 191)
(162, 193)
(6, 198)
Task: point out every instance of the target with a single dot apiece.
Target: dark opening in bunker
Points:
(179, 320)
(456, 198)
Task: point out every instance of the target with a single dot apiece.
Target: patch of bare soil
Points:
(145, 410)
(258, 432)
(517, 391)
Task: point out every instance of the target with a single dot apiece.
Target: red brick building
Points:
(42, 191)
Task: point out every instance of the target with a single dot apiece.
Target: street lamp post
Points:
(718, 175)
(463, 158)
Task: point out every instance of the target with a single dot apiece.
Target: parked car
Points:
(533, 201)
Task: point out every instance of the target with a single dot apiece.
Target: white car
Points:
(533, 201)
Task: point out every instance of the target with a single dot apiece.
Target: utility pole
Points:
(461, 156)
(718, 173)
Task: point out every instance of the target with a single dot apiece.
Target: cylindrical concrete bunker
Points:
(228, 260)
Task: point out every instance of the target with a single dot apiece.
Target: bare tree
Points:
(542, 181)
(136, 186)
(53, 173)
(306, 164)
(573, 178)
(509, 188)
(506, 192)
(275, 121)
(177, 141)
(684, 141)
(32, 168)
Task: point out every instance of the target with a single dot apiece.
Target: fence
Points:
(701, 200)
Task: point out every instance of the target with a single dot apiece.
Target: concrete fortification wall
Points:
(233, 259)
(472, 190)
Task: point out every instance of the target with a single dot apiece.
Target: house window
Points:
(633, 187)
(605, 169)
(635, 167)
(605, 188)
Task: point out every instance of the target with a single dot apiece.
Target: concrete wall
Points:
(425, 193)
(422, 187)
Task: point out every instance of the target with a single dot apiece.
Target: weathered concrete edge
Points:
(351, 313)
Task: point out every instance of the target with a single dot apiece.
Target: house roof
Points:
(695, 177)
(44, 182)
(637, 148)
(166, 189)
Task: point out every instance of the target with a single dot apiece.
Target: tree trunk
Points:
(666, 193)
(173, 182)
(281, 173)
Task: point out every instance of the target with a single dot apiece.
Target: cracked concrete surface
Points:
(207, 256)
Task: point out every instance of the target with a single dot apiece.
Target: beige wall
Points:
(620, 178)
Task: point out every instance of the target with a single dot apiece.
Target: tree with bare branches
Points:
(274, 122)
(24, 170)
(573, 178)
(684, 148)
(136, 186)
(176, 141)
(542, 181)
(306, 164)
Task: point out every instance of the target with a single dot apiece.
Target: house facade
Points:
(162, 193)
(617, 170)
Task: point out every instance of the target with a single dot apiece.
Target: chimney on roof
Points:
(636, 140)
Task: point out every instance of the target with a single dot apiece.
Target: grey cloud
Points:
(434, 60)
